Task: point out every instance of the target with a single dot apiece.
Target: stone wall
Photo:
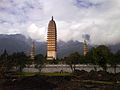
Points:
(66, 68)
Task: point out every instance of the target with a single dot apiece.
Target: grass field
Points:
(22, 74)
(98, 82)
(27, 74)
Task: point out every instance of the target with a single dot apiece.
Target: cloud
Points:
(38, 31)
(74, 18)
(86, 37)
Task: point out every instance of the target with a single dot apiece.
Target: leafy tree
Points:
(72, 60)
(115, 60)
(20, 60)
(39, 61)
(99, 56)
(102, 54)
(4, 56)
(6, 64)
(30, 62)
(92, 58)
(55, 61)
(82, 59)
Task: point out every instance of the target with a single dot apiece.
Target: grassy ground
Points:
(22, 74)
(27, 74)
(98, 82)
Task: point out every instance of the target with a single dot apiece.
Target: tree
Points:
(92, 58)
(55, 61)
(99, 56)
(30, 61)
(6, 64)
(20, 60)
(4, 56)
(72, 60)
(39, 61)
(82, 59)
(115, 60)
(102, 54)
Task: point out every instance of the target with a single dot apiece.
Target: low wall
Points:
(66, 68)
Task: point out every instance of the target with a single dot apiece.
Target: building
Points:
(52, 40)
(85, 48)
(32, 51)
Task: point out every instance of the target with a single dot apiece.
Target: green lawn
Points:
(99, 82)
(56, 74)
(22, 74)
(27, 74)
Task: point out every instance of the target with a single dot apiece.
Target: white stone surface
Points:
(66, 68)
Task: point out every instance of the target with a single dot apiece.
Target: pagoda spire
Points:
(52, 18)
(32, 52)
(85, 48)
(52, 40)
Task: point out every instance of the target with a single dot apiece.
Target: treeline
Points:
(99, 56)
(17, 61)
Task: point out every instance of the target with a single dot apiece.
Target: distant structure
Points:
(32, 51)
(52, 40)
(85, 48)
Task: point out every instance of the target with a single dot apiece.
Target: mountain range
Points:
(18, 43)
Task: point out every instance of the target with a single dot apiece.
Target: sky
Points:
(97, 21)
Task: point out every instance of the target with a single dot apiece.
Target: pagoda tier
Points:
(51, 40)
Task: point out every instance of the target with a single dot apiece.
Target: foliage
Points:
(39, 61)
(91, 58)
(72, 60)
(5, 64)
(115, 60)
(4, 56)
(20, 60)
(102, 53)
(55, 61)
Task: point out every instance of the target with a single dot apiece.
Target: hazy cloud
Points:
(97, 20)
(86, 37)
